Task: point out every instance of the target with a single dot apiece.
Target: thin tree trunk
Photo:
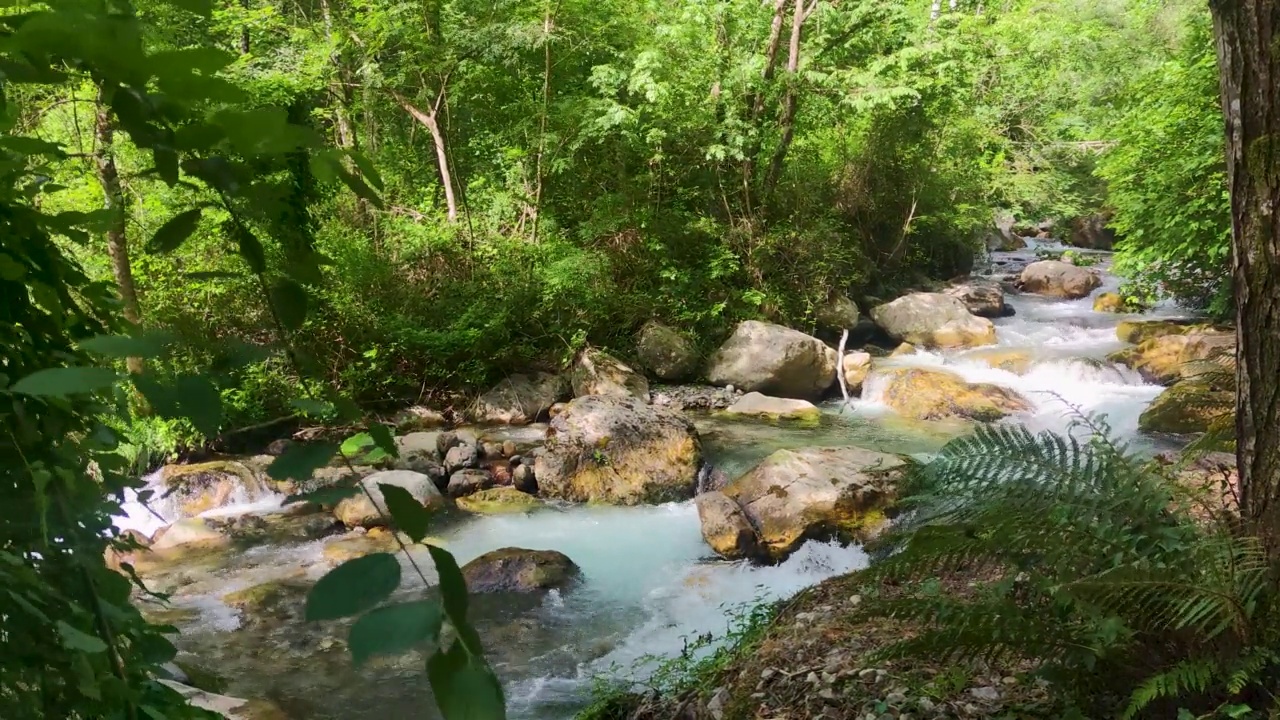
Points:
(935, 11)
(340, 88)
(791, 101)
(1249, 63)
(244, 30)
(429, 120)
(542, 121)
(117, 241)
(770, 57)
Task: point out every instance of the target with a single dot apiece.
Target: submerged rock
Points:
(361, 511)
(1015, 360)
(1187, 407)
(757, 405)
(620, 451)
(596, 372)
(519, 570)
(667, 353)
(773, 359)
(796, 495)
(1109, 302)
(933, 320)
(520, 399)
(938, 394)
(1055, 278)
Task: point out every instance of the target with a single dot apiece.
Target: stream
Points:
(650, 583)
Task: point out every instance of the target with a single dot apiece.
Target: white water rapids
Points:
(649, 582)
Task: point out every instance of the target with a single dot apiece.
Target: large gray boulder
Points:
(839, 313)
(520, 399)
(368, 509)
(797, 495)
(620, 451)
(519, 570)
(1092, 231)
(763, 406)
(933, 320)
(984, 299)
(1054, 278)
(774, 360)
(596, 372)
(926, 394)
(667, 353)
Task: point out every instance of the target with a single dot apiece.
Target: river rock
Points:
(210, 485)
(773, 359)
(468, 481)
(667, 353)
(231, 708)
(983, 299)
(359, 544)
(1109, 302)
(937, 394)
(1003, 237)
(463, 455)
(856, 365)
(188, 532)
(497, 500)
(838, 313)
(904, 349)
(1165, 359)
(596, 372)
(1139, 331)
(417, 418)
(694, 397)
(620, 451)
(795, 495)
(1186, 407)
(519, 570)
(523, 479)
(933, 320)
(757, 405)
(520, 399)
(1054, 278)
(1015, 360)
(361, 511)
(1091, 232)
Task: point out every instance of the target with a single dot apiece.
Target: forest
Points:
(314, 253)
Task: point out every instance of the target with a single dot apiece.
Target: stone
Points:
(193, 489)
(498, 500)
(937, 394)
(620, 451)
(1015, 360)
(596, 372)
(1003, 237)
(1186, 407)
(461, 456)
(755, 404)
(188, 532)
(1165, 359)
(519, 570)
(856, 366)
(257, 598)
(797, 495)
(1109, 302)
(350, 547)
(520, 399)
(983, 299)
(904, 349)
(361, 511)
(1091, 232)
(933, 320)
(418, 444)
(694, 397)
(509, 448)
(1054, 278)
(468, 481)
(775, 360)
(523, 479)
(416, 418)
(666, 352)
(491, 450)
(231, 708)
(839, 313)
(1139, 331)
(278, 446)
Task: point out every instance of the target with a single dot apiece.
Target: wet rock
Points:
(856, 365)
(937, 394)
(694, 397)
(1186, 407)
(368, 509)
(261, 598)
(509, 448)
(520, 399)
(1091, 232)
(1109, 302)
(983, 299)
(207, 486)
(461, 456)
(1015, 360)
(762, 406)
(468, 481)
(231, 708)
(1138, 331)
(278, 446)
(523, 479)
(773, 359)
(418, 444)
(277, 527)
(667, 353)
(904, 349)
(796, 495)
(839, 313)
(1055, 278)
(416, 418)
(519, 570)
(933, 320)
(620, 451)
(188, 532)
(596, 372)
(498, 500)
(356, 545)
(1165, 359)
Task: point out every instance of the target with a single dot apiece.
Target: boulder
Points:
(984, 299)
(775, 360)
(468, 481)
(666, 352)
(620, 451)
(463, 455)
(838, 313)
(1054, 278)
(856, 366)
(188, 531)
(905, 348)
(1186, 407)
(1091, 232)
(1109, 302)
(796, 495)
(1165, 359)
(197, 488)
(1015, 360)
(413, 419)
(359, 544)
(1137, 331)
(520, 571)
(523, 479)
(520, 399)
(937, 394)
(933, 320)
(231, 708)
(596, 372)
(360, 510)
(757, 405)
(1003, 236)
(498, 500)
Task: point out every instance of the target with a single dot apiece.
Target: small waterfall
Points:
(210, 490)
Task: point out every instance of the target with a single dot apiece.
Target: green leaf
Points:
(160, 397)
(213, 275)
(10, 269)
(78, 640)
(64, 381)
(311, 406)
(166, 159)
(367, 170)
(394, 629)
(31, 146)
(173, 233)
(383, 438)
(300, 460)
(353, 587)
(464, 686)
(356, 444)
(453, 589)
(409, 514)
(250, 249)
(203, 8)
(199, 402)
(290, 302)
(149, 345)
(325, 496)
(359, 187)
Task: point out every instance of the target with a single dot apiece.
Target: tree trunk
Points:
(117, 242)
(935, 11)
(244, 30)
(340, 88)
(791, 101)
(429, 120)
(540, 170)
(1249, 63)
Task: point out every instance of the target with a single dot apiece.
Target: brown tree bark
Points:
(791, 100)
(104, 161)
(1249, 66)
(429, 119)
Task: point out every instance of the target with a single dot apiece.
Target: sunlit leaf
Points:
(300, 460)
(464, 686)
(394, 629)
(78, 640)
(289, 299)
(353, 587)
(64, 381)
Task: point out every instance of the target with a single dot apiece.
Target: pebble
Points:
(925, 704)
(895, 698)
(1010, 680)
(811, 678)
(805, 617)
(855, 600)
(988, 694)
(866, 674)
(827, 694)
(767, 673)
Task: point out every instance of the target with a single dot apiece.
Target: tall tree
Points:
(1249, 66)
(104, 160)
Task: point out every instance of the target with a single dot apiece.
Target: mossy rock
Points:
(1187, 407)
(499, 500)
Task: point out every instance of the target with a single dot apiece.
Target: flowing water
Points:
(649, 582)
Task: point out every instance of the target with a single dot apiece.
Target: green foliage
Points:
(1089, 563)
